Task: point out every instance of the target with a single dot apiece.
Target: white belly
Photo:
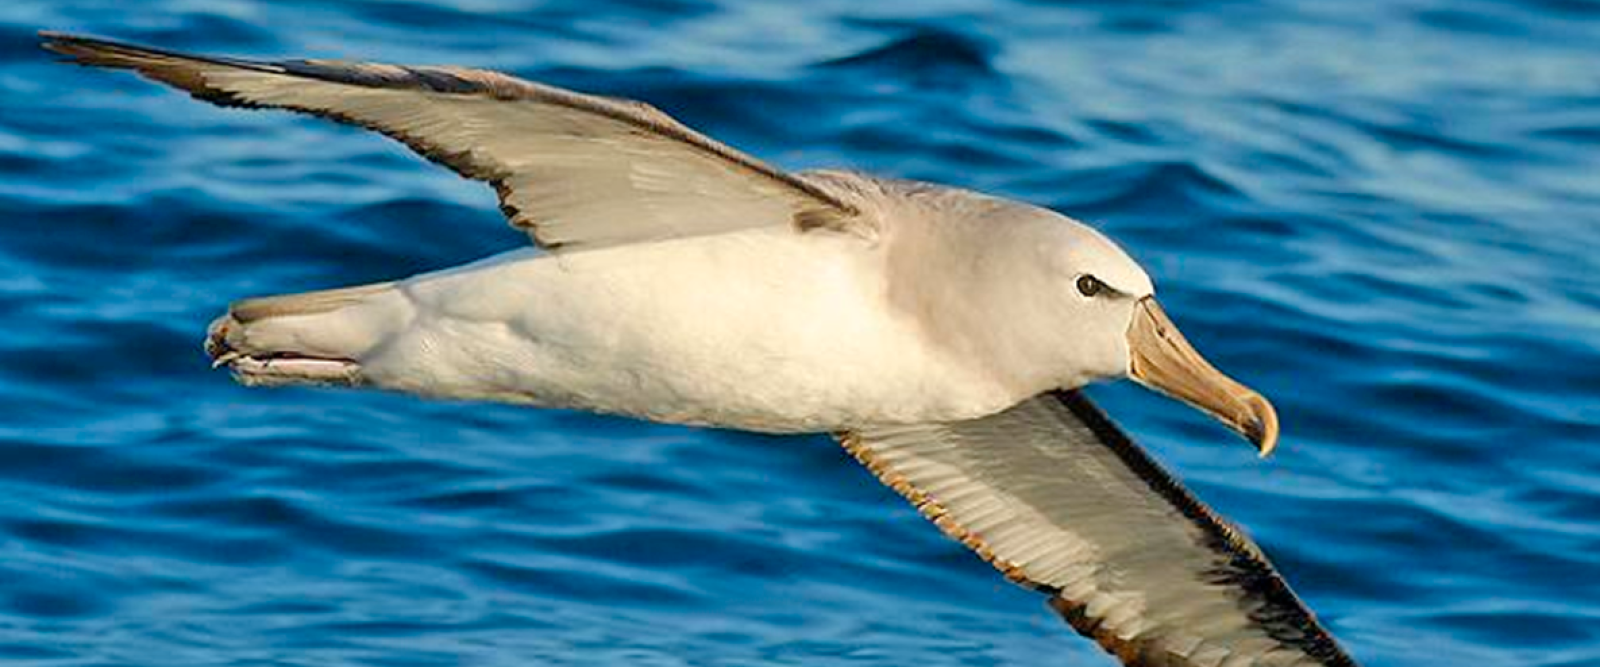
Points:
(762, 330)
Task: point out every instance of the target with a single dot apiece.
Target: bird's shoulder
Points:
(892, 206)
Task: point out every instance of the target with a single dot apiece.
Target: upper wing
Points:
(571, 169)
(1055, 496)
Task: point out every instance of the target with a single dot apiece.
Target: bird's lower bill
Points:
(1160, 358)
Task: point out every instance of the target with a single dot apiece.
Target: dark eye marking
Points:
(1091, 286)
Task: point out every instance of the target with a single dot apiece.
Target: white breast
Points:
(763, 330)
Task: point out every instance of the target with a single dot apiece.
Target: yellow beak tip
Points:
(1267, 449)
(1262, 429)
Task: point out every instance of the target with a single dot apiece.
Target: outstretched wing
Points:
(1055, 496)
(572, 170)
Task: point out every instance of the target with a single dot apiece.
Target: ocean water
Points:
(1385, 214)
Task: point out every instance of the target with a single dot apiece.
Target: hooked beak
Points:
(1160, 358)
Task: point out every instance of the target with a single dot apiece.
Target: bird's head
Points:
(1116, 328)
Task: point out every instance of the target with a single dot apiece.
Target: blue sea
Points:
(1384, 214)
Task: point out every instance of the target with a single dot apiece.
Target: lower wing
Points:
(1060, 500)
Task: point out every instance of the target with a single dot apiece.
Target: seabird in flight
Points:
(941, 334)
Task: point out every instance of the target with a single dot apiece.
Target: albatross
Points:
(941, 335)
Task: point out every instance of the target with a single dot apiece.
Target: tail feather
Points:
(308, 338)
(304, 303)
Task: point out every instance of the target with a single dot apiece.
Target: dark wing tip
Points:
(86, 50)
(102, 52)
(77, 48)
(180, 70)
(167, 66)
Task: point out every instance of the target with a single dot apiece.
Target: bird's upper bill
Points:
(1160, 358)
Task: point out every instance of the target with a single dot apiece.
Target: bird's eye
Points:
(1090, 286)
